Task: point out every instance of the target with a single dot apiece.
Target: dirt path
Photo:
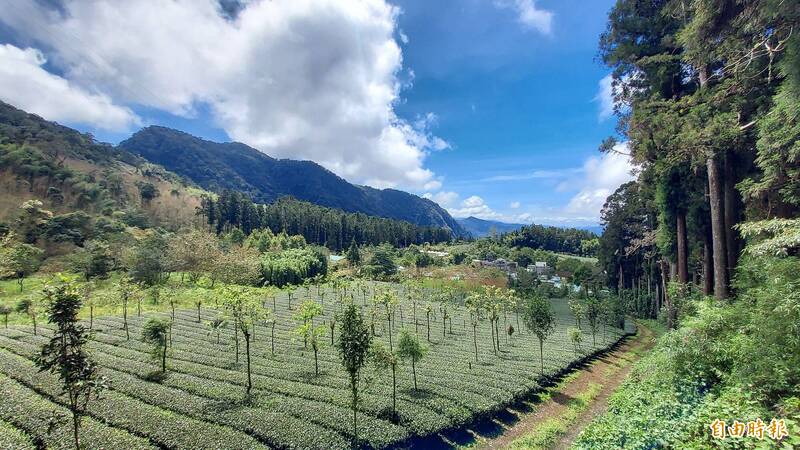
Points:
(591, 387)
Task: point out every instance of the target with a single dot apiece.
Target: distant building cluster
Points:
(543, 271)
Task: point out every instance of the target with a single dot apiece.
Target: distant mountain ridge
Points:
(236, 166)
(480, 227)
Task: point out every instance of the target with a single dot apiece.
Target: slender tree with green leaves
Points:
(127, 289)
(242, 305)
(5, 310)
(410, 348)
(474, 303)
(310, 333)
(594, 315)
(388, 300)
(385, 358)
(354, 344)
(429, 313)
(576, 337)
(87, 291)
(30, 307)
(577, 309)
(155, 332)
(540, 320)
(216, 325)
(64, 354)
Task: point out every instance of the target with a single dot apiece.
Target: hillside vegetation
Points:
(235, 166)
(706, 239)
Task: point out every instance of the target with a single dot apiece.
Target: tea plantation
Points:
(200, 402)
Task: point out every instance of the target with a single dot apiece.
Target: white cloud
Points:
(601, 177)
(474, 206)
(27, 85)
(591, 184)
(536, 174)
(605, 98)
(303, 79)
(529, 15)
(445, 199)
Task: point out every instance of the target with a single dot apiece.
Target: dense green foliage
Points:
(554, 239)
(235, 166)
(703, 96)
(293, 266)
(332, 228)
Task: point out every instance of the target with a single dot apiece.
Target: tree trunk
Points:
(414, 372)
(731, 202)
(91, 317)
(354, 388)
(491, 328)
(236, 338)
(683, 253)
(247, 349)
(475, 340)
(497, 333)
(125, 322)
(708, 266)
(715, 199)
(76, 425)
(390, 336)
(541, 354)
(667, 299)
(394, 390)
(164, 357)
(429, 327)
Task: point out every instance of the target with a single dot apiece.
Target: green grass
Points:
(551, 430)
(200, 403)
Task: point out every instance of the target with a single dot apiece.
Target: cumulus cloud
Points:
(303, 79)
(27, 85)
(529, 15)
(600, 178)
(473, 206)
(445, 199)
(587, 188)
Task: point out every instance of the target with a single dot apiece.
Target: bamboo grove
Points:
(332, 228)
(707, 95)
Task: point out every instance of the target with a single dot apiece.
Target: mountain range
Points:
(218, 166)
(480, 227)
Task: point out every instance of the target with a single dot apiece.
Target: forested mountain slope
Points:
(480, 227)
(82, 183)
(235, 166)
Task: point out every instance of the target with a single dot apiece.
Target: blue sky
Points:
(493, 108)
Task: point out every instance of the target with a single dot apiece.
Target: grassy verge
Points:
(553, 428)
